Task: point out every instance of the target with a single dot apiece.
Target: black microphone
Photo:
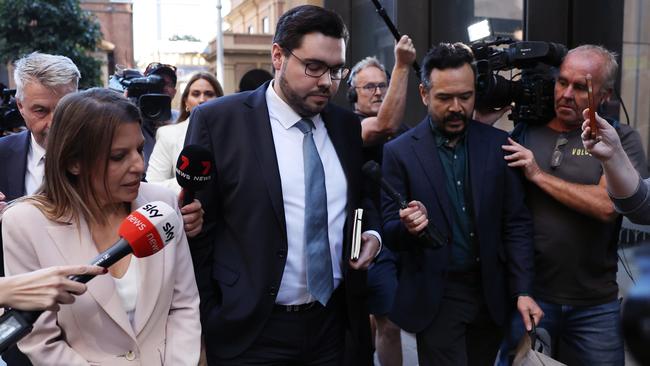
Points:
(193, 170)
(430, 236)
(144, 232)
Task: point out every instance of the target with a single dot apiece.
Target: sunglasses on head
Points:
(152, 67)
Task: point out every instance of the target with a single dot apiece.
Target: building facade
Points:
(247, 44)
(116, 21)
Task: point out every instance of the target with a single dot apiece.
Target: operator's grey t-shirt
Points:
(575, 254)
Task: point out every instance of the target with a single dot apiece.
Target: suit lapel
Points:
(424, 147)
(261, 138)
(16, 161)
(77, 247)
(477, 155)
(151, 271)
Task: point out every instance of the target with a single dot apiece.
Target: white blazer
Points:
(95, 329)
(162, 162)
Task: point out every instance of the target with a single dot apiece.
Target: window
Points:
(266, 26)
(251, 29)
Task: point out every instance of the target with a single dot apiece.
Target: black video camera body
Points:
(11, 121)
(146, 92)
(533, 92)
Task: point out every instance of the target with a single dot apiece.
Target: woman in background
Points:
(147, 309)
(170, 139)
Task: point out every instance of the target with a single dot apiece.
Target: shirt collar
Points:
(282, 112)
(35, 150)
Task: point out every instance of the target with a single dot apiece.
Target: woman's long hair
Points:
(218, 92)
(80, 141)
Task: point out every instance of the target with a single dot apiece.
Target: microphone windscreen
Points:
(194, 167)
(372, 170)
(149, 228)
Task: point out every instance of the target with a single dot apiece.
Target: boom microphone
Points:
(193, 170)
(430, 236)
(144, 232)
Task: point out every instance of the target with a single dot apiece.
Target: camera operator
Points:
(168, 73)
(575, 224)
(380, 106)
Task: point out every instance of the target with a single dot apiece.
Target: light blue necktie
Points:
(320, 282)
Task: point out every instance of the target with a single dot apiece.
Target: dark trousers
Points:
(312, 337)
(462, 333)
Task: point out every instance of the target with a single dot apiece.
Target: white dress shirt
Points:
(35, 166)
(288, 148)
(170, 141)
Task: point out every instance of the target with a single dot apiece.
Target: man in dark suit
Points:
(456, 298)
(41, 81)
(265, 298)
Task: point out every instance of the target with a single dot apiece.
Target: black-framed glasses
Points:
(556, 157)
(371, 87)
(316, 69)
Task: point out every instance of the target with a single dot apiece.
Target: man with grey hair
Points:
(41, 81)
(575, 224)
(380, 107)
(378, 103)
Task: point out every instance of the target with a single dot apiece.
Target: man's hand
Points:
(527, 307)
(192, 218)
(404, 52)
(3, 204)
(369, 250)
(414, 217)
(606, 144)
(521, 157)
(46, 288)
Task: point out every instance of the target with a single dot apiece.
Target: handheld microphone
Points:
(144, 232)
(193, 170)
(430, 236)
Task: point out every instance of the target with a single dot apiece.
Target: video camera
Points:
(11, 121)
(533, 92)
(145, 91)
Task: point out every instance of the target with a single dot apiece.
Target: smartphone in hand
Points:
(592, 107)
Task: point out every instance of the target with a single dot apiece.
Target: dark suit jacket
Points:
(240, 256)
(13, 155)
(502, 222)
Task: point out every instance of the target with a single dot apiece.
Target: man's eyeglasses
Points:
(556, 157)
(316, 69)
(371, 87)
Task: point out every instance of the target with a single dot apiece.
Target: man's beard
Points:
(440, 125)
(298, 102)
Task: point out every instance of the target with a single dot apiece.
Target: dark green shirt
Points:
(454, 162)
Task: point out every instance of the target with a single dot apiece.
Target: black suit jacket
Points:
(13, 155)
(502, 222)
(241, 255)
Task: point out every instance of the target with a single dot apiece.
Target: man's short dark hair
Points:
(305, 19)
(445, 56)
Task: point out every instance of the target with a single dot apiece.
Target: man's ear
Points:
(277, 56)
(424, 93)
(607, 95)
